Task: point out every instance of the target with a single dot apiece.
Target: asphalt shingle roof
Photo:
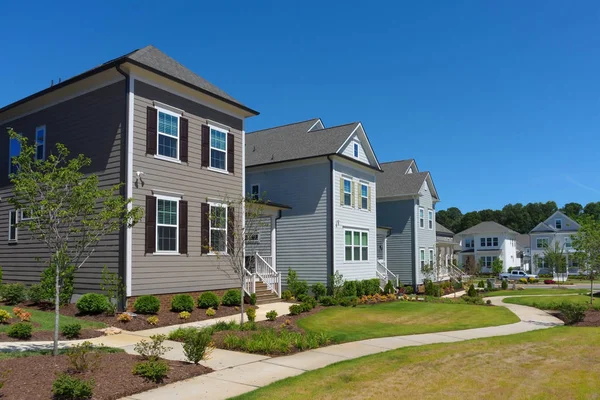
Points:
(439, 228)
(396, 182)
(293, 142)
(487, 227)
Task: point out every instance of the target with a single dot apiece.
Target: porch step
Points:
(264, 295)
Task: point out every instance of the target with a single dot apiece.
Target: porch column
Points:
(273, 242)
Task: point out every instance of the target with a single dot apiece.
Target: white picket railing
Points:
(267, 274)
(385, 274)
(249, 282)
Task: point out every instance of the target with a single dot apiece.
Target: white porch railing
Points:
(249, 282)
(385, 274)
(266, 273)
(456, 273)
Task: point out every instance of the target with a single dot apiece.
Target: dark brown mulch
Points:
(31, 378)
(592, 318)
(41, 336)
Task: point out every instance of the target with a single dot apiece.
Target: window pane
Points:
(357, 238)
(348, 239)
(357, 253)
(364, 190)
(365, 253)
(167, 212)
(217, 240)
(347, 199)
(365, 239)
(167, 124)
(218, 139)
(489, 242)
(482, 242)
(365, 203)
(347, 186)
(217, 159)
(348, 253)
(167, 146)
(167, 238)
(495, 241)
(219, 217)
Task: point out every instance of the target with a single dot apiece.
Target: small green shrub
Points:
(350, 301)
(318, 290)
(36, 294)
(572, 312)
(209, 300)
(249, 326)
(296, 309)
(389, 288)
(371, 287)
(310, 303)
(4, 316)
(71, 331)
(152, 350)
(328, 301)
(431, 289)
(488, 302)
(153, 370)
(272, 315)
(197, 346)
(14, 293)
(490, 285)
(147, 304)
(408, 290)
(182, 302)
(180, 334)
(67, 387)
(251, 314)
(83, 357)
(231, 298)
(472, 292)
(152, 320)
(504, 284)
(296, 286)
(92, 303)
(210, 312)
(271, 341)
(286, 295)
(20, 330)
(252, 300)
(302, 297)
(349, 289)
(472, 300)
(481, 285)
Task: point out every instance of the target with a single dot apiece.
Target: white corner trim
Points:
(179, 112)
(244, 190)
(348, 138)
(129, 185)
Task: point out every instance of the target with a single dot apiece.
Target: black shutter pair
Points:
(152, 134)
(151, 225)
(205, 155)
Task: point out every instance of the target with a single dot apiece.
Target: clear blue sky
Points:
(499, 100)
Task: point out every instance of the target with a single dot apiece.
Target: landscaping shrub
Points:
(311, 301)
(36, 294)
(249, 326)
(152, 320)
(389, 288)
(147, 304)
(488, 302)
(14, 293)
(481, 285)
(124, 317)
(20, 330)
(270, 341)
(252, 299)
(251, 314)
(4, 316)
(296, 309)
(296, 286)
(302, 298)
(318, 290)
(350, 301)
(472, 292)
(153, 370)
(83, 357)
(490, 285)
(431, 289)
(328, 301)
(231, 298)
(408, 289)
(210, 312)
(532, 280)
(371, 287)
(349, 289)
(504, 284)
(473, 300)
(48, 281)
(572, 312)
(523, 280)
(183, 302)
(197, 346)
(286, 295)
(271, 315)
(71, 331)
(92, 303)
(152, 350)
(67, 387)
(180, 334)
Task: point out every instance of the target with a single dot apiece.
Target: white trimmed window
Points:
(430, 218)
(25, 215)
(167, 224)
(568, 242)
(12, 226)
(421, 217)
(558, 223)
(255, 192)
(347, 192)
(489, 242)
(14, 149)
(486, 262)
(542, 243)
(422, 258)
(252, 237)
(356, 245)
(431, 256)
(40, 142)
(469, 243)
(218, 148)
(356, 150)
(218, 229)
(168, 134)
(364, 196)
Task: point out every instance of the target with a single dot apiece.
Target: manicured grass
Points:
(45, 319)
(551, 302)
(4, 355)
(345, 324)
(533, 291)
(557, 363)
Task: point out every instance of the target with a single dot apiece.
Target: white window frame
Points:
(252, 240)
(556, 221)
(421, 218)
(365, 198)
(567, 242)
(495, 242)
(158, 133)
(210, 228)
(10, 225)
(487, 261)
(422, 256)
(255, 196)
(537, 242)
(431, 255)
(168, 198)
(22, 216)
(469, 243)
(354, 246)
(43, 129)
(430, 219)
(210, 148)
(355, 150)
(349, 193)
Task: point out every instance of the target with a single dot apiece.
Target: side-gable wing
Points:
(560, 222)
(358, 147)
(428, 186)
(542, 227)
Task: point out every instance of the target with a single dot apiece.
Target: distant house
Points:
(524, 250)
(328, 178)
(446, 246)
(406, 200)
(556, 229)
(486, 242)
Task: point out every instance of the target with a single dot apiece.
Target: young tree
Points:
(68, 212)
(429, 271)
(497, 266)
(587, 244)
(554, 255)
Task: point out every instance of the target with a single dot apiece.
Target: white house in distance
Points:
(485, 242)
(558, 228)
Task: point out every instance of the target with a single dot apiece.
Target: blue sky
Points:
(499, 100)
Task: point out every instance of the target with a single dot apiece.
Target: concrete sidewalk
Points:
(236, 373)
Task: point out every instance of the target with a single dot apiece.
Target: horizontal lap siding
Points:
(89, 124)
(399, 215)
(262, 226)
(425, 236)
(194, 271)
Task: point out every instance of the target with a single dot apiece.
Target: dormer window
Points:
(356, 150)
(558, 224)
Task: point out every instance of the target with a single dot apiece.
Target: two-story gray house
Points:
(328, 178)
(556, 230)
(406, 200)
(176, 142)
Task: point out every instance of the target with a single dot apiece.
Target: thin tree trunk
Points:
(56, 304)
(242, 299)
(591, 291)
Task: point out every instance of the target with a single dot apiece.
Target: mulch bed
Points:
(592, 318)
(32, 377)
(41, 336)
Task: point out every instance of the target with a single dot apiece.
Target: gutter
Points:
(331, 222)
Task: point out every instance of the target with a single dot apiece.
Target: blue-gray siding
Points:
(399, 215)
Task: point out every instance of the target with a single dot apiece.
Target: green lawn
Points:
(557, 363)
(345, 324)
(551, 302)
(46, 320)
(533, 291)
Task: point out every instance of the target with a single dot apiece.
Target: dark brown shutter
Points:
(151, 121)
(183, 137)
(204, 156)
(150, 224)
(204, 230)
(230, 152)
(183, 227)
(230, 230)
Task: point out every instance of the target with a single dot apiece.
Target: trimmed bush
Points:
(318, 290)
(251, 314)
(69, 388)
(152, 320)
(187, 315)
(473, 300)
(153, 370)
(147, 304)
(286, 295)
(210, 312)
(20, 330)
(4, 316)
(311, 302)
(271, 315)
(197, 346)
(296, 309)
(231, 298)
(481, 285)
(71, 331)
(504, 284)
(572, 312)
(36, 294)
(350, 301)
(328, 301)
(182, 302)
(92, 303)
(14, 293)
(472, 292)
(371, 287)
(490, 285)
(389, 288)
(252, 300)
(296, 286)
(349, 289)
(210, 300)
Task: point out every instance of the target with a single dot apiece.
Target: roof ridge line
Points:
(281, 126)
